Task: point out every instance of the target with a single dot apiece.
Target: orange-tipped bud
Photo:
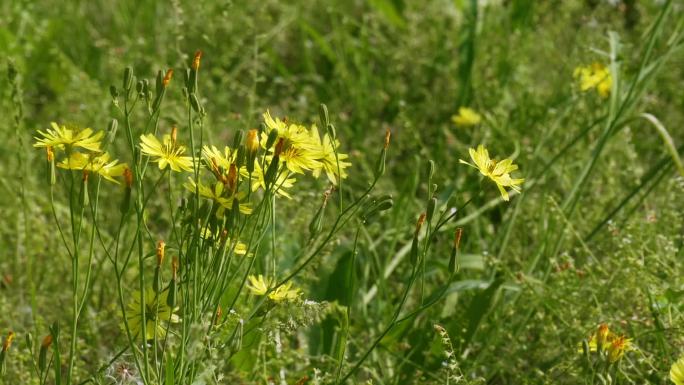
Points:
(252, 142)
(128, 177)
(420, 222)
(232, 178)
(174, 134)
(224, 234)
(8, 341)
(50, 154)
(196, 60)
(47, 341)
(167, 77)
(85, 175)
(174, 267)
(279, 147)
(219, 313)
(388, 134)
(457, 237)
(160, 252)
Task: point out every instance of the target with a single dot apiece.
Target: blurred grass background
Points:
(525, 296)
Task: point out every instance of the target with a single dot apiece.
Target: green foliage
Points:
(595, 236)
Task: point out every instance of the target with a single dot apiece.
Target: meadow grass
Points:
(280, 260)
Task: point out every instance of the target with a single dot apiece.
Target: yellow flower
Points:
(283, 181)
(61, 137)
(617, 348)
(167, 153)
(98, 164)
(595, 75)
(258, 285)
(220, 158)
(217, 195)
(498, 172)
(299, 150)
(466, 117)
(158, 314)
(677, 372)
(327, 159)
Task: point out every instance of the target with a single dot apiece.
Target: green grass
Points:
(596, 236)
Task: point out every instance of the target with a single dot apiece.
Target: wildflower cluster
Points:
(82, 151)
(607, 344)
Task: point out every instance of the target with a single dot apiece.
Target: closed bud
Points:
(174, 134)
(323, 115)
(128, 177)
(113, 92)
(8, 341)
(42, 355)
(237, 139)
(50, 154)
(430, 169)
(84, 188)
(139, 86)
(388, 134)
(453, 261)
(431, 208)
(252, 141)
(196, 60)
(419, 223)
(414, 251)
(279, 147)
(167, 78)
(232, 179)
(240, 157)
(272, 136)
(161, 246)
(457, 238)
(128, 78)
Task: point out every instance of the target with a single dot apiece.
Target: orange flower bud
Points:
(167, 77)
(50, 154)
(47, 341)
(457, 237)
(279, 147)
(252, 142)
(174, 267)
(196, 60)
(219, 313)
(388, 134)
(128, 177)
(8, 341)
(160, 252)
(174, 134)
(420, 222)
(232, 177)
(85, 175)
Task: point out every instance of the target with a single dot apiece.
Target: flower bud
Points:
(252, 141)
(196, 60)
(113, 92)
(388, 134)
(272, 136)
(42, 355)
(167, 78)
(174, 134)
(419, 223)
(323, 115)
(194, 102)
(279, 147)
(232, 178)
(128, 78)
(432, 203)
(160, 252)
(8, 341)
(237, 139)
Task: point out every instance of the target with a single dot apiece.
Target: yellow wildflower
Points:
(617, 348)
(69, 138)
(595, 75)
(167, 152)
(258, 285)
(299, 150)
(221, 158)
(327, 159)
(498, 172)
(677, 372)
(98, 164)
(158, 314)
(466, 117)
